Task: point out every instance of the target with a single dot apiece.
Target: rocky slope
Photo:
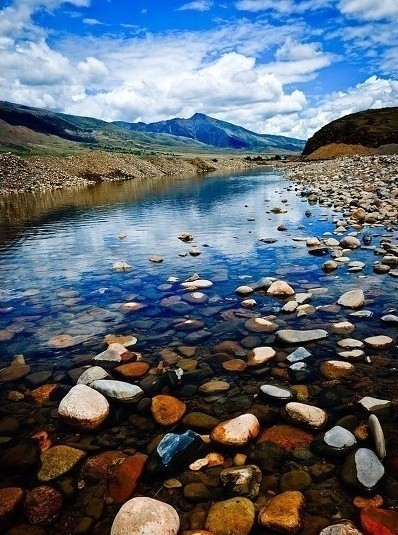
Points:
(369, 128)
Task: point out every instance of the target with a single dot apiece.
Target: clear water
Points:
(57, 250)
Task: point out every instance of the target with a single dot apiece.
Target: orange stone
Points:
(234, 365)
(42, 394)
(167, 410)
(99, 468)
(45, 441)
(287, 437)
(379, 521)
(125, 479)
(133, 370)
(375, 501)
(10, 498)
(283, 513)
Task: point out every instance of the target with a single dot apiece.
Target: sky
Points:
(285, 67)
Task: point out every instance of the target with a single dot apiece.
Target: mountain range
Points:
(28, 130)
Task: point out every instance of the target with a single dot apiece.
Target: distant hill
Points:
(28, 130)
(369, 128)
(219, 134)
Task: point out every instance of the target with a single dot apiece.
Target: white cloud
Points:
(285, 7)
(197, 5)
(369, 9)
(93, 22)
(372, 93)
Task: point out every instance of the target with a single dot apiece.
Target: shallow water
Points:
(57, 250)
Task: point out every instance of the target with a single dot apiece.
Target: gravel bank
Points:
(19, 175)
(352, 182)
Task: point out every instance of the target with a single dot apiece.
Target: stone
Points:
(378, 435)
(231, 517)
(200, 420)
(343, 327)
(198, 284)
(341, 528)
(259, 325)
(336, 441)
(243, 291)
(378, 342)
(126, 477)
(362, 470)
(84, 407)
(307, 415)
(146, 516)
(259, 356)
(175, 449)
(242, 481)
(14, 372)
(109, 355)
(296, 480)
(10, 500)
(167, 410)
(281, 289)
(350, 242)
(234, 365)
(121, 266)
(92, 374)
(237, 431)
(352, 299)
(291, 336)
(329, 266)
(156, 259)
(43, 505)
(298, 355)
(126, 340)
(377, 521)
(214, 387)
(350, 343)
(380, 407)
(335, 369)
(283, 513)
(57, 461)
(118, 390)
(276, 394)
(98, 468)
(133, 370)
(287, 437)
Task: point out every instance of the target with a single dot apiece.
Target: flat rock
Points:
(214, 387)
(84, 407)
(343, 327)
(198, 284)
(237, 431)
(58, 461)
(146, 516)
(378, 342)
(98, 468)
(363, 470)
(126, 476)
(308, 415)
(283, 513)
(292, 336)
(335, 369)
(259, 325)
(352, 299)
(287, 437)
(231, 517)
(298, 355)
(259, 356)
(14, 372)
(244, 290)
(276, 394)
(118, 390)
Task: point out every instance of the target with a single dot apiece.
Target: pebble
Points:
(259, 356)
(283, 513)
(291, 336)
(10, 499)
(167, 410)
(92, 374)
(58, 461)
(118, 390)
(352, 299)
(336, 369)
(126, 476)
(146, 516)
(242, 481)
(341, 528)
(237, 431)
(258, 325)
(280, 289)
(308, 415)
(43, 505)
(231, 517)
(84, 407)
(287, 437)
(378, 342)
(363, 470)
(378, 435)
(377, 521)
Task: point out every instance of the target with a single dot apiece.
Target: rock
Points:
(121, 266)
(84, 407)
(21, 457)
(156, 259)
(296, 480)
(259, 325)
(43, 505)
(298, 355)
(335, 369)
(167, 410)
(118, 390)
(133, 370)
(244, 290)
(276, 394)
(381, 407)
(92, 374)
(377, 521)
(350, 242)
(260, 356)
(231, 517)
(390, 318)
(14, 372)
(352, 299)
(146, 516)
(198, 284)
(236, 432)
(214, 387)
(350, 343)
(244, 481)
(378, 342)
(290, 307)
(363, 470)
(291, 336)
(200, 420)
(58, 461)
(329, 266)
(234, 365)
(341, 528)
(126, 477)
(10, 499)
(99, 468)
(109, 355)
(287, 437)
(178, 449)
(378, 435)
(280, 288)
(336, 441)
(343, 327)
(308, 415)
(126, 340)
(283, 513)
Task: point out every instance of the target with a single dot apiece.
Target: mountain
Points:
(217, 133)
(27, 130)
(369, 128)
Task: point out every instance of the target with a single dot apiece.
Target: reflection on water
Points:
(57, 251)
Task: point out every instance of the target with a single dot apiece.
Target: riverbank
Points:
(353, 182)
(18, 175)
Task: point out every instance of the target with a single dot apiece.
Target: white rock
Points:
(121, 266)
(236, 432)
(379, 341)
(280, 288)
(244, 290)
(146, 516)
(92, 374)
(307, 414)
(118, 390)
(260, 355)
(291, 336)
(197, 284)
(378, 435)
(84, 407)
(369, 403)
(352, 299)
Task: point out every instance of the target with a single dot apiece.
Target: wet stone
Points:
(296, 480)
(118, 390)
(259, 325)
(291, 336)
(58, 461)
(10, 499)
(167, 410)
(84, 407)
(175, 449)
(379, 521)
(43, 505)
(287, 437)
(352, 299)
(307, 415)
(276, 394)
(143, 515)
(283, 513)
(298, 355)
(237, 431)
(362, 470)
(336, 441)
(231, 517)
(92, 374)
(244, 481)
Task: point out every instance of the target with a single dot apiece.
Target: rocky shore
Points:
(367, 183)
(43, 173)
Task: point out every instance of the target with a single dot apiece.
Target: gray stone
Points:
(291, 336)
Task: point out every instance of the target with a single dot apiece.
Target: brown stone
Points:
(234, 365)
(231, 517)
(43, 505)
(125, 479)
(133, 370)
(42, 394)
(287, 437)
(99, 468)
(283, 513)
(10, 499)
(167, 410)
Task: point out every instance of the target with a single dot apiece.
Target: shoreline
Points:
(45, 173)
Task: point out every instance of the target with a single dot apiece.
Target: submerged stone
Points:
(177, 449)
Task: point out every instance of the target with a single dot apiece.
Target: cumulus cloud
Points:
(369, 9)
(374, 92)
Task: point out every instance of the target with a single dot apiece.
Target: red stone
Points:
(100, 468)
(379, 521)
(167, 410)
(10, 498)
(287, 437)
(133, 370)
(44, 440)
(125, 479)
(42, 394)
(43, 505)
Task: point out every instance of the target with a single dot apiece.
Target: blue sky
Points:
(274, 66)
